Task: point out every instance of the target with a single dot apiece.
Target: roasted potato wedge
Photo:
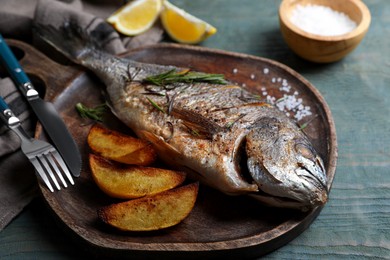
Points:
(154, 212)
(119, 147)
(132, 181)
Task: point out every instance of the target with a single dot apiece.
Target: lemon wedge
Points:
(184, 27)
(136, 16)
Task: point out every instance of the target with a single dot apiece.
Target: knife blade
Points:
(45, 111)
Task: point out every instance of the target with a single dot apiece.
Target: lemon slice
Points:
(136, 16)
(184, 27)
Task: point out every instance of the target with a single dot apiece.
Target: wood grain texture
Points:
(355, 223)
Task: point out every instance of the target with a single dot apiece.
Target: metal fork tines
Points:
(42, 155)
(46, 159)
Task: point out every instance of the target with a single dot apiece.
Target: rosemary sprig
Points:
(280, 99)
(192, 130)
(230, 124)
(95, 113)
(156, 105)
(172, 76)
(304, 125)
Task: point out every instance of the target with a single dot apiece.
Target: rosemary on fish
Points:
(230, 124)
(172, 76)
(192, 130)
(95, 113)
(155, 105)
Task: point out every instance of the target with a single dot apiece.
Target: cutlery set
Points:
(64, 159)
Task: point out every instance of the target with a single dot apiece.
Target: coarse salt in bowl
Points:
(323, 31)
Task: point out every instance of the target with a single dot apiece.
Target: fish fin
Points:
(197, 122)
(162, 147)
(170, 155)
(108, 100)
(257, 104)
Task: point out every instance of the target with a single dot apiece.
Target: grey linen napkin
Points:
(17, 181)
(18, 184)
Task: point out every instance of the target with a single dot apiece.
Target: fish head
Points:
(285, 166)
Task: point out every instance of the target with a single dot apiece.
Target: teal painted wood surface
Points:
(355, 223)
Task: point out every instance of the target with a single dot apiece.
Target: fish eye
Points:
(304, 150)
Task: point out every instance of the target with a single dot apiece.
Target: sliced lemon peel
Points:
(136, 17)
(184, 27)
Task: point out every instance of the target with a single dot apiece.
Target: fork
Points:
(42, 155)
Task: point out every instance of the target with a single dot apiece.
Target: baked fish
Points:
(220, 134)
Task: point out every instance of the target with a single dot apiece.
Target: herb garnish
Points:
(187, 76)
(193, 131)
(304, 125)
(230, 124)
(155, 105)
(95, 113)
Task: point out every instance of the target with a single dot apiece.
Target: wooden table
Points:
(355, 223)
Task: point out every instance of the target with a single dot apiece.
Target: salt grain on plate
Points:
(285, 88)
(321, 20)
(291, 104)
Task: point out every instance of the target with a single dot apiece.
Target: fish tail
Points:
(86, 48)
(70, 39)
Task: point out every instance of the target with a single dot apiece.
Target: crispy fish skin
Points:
(220, 134)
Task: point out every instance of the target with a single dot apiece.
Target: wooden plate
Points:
(219, 225)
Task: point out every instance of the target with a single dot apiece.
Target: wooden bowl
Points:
(324, 49)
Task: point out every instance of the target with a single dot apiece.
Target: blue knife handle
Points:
(7, 116)
(14, 69)
(3, 105)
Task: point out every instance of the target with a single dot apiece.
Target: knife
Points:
(45, 111)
